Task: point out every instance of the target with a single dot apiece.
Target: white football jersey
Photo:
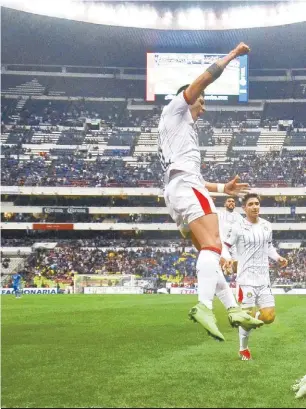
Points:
(178, 142)
(254, 247)
(226, 220)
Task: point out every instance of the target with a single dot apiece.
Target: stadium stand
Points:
(99, 133)
(174, 266)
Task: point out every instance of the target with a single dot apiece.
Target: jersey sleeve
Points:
(239, 217)
(178, 106)
(232, 235)
(229, 240)
(223, 227)
(272, 253)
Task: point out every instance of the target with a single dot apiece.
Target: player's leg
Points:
(265, 301)
(186, 210)
(196, 211)
(236, 315)
(189, 203)
(246, 296)
(266, 304)
(223, 292)
(205, 231)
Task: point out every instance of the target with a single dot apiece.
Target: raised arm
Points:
(233, 187)
(213, 72)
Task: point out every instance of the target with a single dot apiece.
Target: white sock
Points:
(208, 275)
(224, 292)
(243, 338)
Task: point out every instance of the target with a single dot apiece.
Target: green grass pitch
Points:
(142, 351)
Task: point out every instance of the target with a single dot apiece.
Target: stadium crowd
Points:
(274, 168)
(295, 272)
(117, 218)
(105, 164)
(171, 265)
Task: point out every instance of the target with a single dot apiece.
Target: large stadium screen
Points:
(167, 72)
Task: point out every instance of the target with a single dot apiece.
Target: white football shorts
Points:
(259, 296)
(187, 199)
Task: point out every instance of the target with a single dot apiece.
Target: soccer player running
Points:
(187, 195)
(253, 239)
(17, 285)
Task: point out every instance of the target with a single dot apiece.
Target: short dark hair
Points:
(230, 197)
(182, 89)
(250, 196)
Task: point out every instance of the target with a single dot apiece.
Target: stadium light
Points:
(182, 19)
(167, 19)
(109, 14)
(198, 17)
(148, 16)
(210, 18)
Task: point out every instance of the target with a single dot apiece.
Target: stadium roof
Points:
(33, 39)
(170, 15)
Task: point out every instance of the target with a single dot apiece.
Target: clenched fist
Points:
(241, 49)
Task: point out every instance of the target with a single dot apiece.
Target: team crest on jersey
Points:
(266, 228)
(249, 294)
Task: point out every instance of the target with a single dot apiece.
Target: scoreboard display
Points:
(167, 72)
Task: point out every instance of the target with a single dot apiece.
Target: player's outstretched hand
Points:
(283, 262)
(242, 49)
(226, 265)
(233, 188)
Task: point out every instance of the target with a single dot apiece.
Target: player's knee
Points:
(267, 316)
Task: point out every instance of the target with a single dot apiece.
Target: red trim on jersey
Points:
(186, 98)
(240, 295)
(228, 245)
(204, 202)
(215, 249)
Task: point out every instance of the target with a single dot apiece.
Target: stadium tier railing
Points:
(122, 226)
(128, 191)
(10, 208)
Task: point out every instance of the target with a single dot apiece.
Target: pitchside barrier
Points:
(8, 291)
(275, 291)
(126, 286)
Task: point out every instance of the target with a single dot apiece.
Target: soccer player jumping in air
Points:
(187, 195)
(253, 239)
